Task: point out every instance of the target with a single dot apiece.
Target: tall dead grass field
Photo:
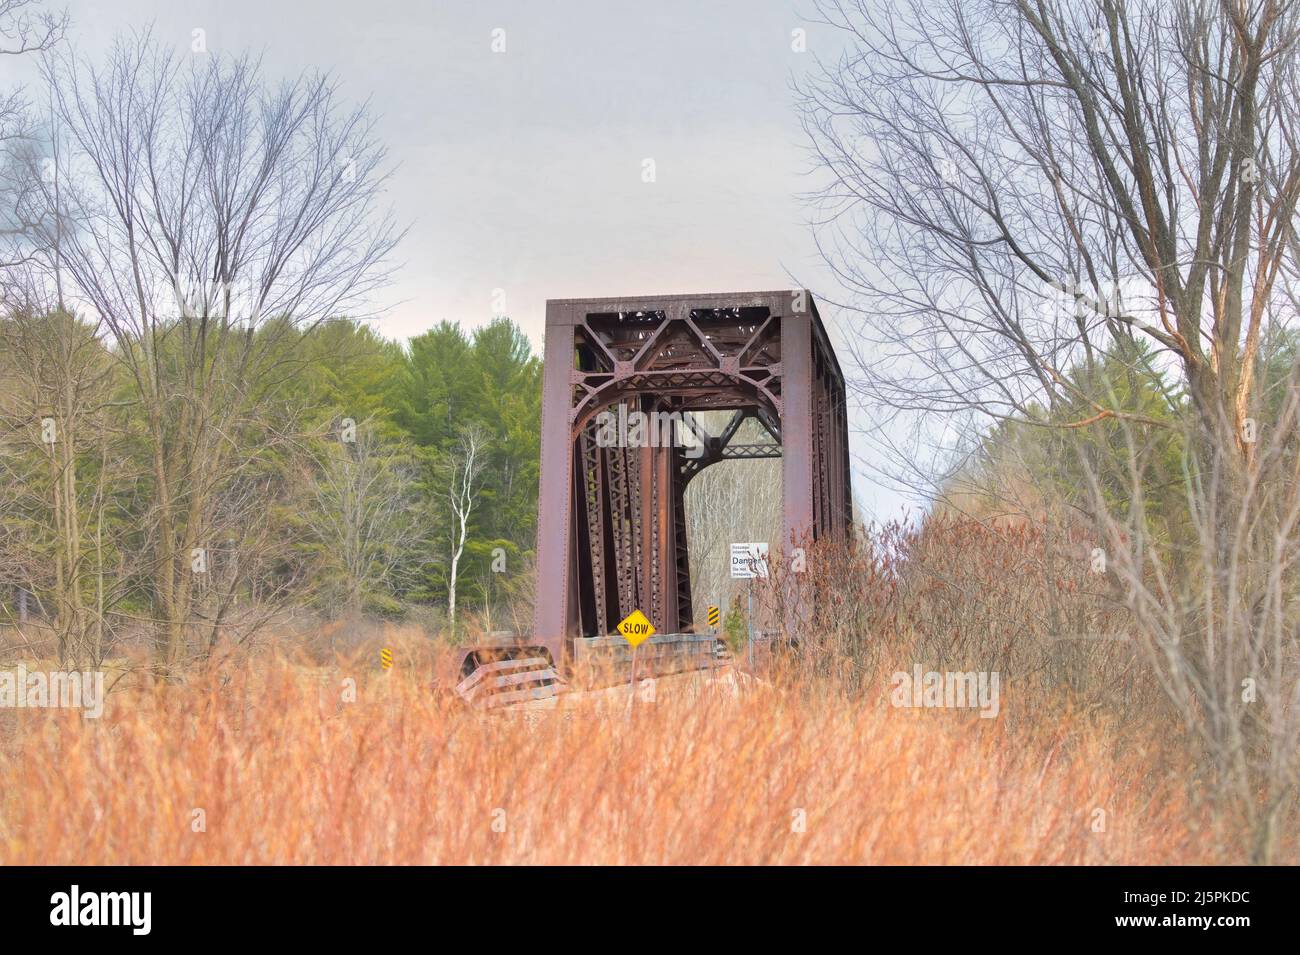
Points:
(271, 763)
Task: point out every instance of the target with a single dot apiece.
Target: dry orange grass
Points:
(286, 772)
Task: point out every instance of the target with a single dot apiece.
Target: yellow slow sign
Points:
(636, 628)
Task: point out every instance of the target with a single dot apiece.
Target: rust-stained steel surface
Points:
(611, 529)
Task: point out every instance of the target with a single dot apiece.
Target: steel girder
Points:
(611, 529)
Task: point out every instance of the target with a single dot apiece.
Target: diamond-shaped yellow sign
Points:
(636, 628)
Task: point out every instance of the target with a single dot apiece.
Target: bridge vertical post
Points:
(797, 449)
(555, 608)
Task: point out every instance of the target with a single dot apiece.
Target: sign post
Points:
(749, 560)
(715, 614)
(636, 628)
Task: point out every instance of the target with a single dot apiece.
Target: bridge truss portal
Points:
(611, 530)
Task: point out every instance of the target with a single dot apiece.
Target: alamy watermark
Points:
(640, 429)
(931, 688)
(75, 907)
(53, 689)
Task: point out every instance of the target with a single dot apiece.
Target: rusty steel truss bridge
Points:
(611, 528)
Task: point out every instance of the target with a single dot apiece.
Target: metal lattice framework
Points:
(611, 530)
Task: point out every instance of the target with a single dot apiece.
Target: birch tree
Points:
(464, 466)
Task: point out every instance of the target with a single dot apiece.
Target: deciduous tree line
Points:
(199, 427)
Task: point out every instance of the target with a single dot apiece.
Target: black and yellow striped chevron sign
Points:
(713, 616)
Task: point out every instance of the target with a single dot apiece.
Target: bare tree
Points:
(994, 160)
(31, 362)
(1025, 195)
(365, 521)
(204, 216)
(58, 409)
(24, 29)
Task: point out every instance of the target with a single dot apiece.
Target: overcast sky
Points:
(522, 171)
